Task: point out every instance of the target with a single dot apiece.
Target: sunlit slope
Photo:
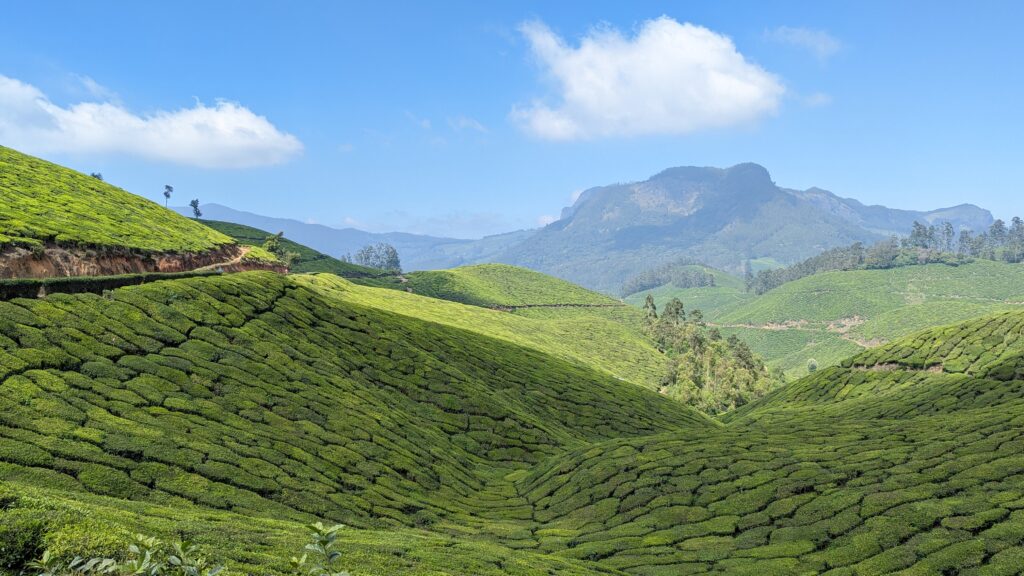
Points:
(606, 338)
(43, 202)
(501, 285)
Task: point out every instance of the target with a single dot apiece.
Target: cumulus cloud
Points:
(669, 78)
(545, 219)
(818, 42)
(224, 135)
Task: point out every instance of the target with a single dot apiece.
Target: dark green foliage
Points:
(380, 256)
(33, 287)
(683, 274)
(705, 371)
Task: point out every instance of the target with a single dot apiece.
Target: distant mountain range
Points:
(722, 217)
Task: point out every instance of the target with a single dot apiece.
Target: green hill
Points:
(614, 342)
(501, 285)
(42, 202)
(266, 396)
(231, 409)
(307, 259)
(833, 315)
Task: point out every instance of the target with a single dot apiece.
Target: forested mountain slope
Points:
(722, 217)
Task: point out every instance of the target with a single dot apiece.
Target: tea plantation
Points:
(832, 315)
(553, 331)
(43, 202)
(502, 286)
(232, 409)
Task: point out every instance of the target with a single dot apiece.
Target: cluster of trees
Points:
(706, 371)
(999, 242)
(273, 245)
(680, 274)
(925, 245)
(381, 256)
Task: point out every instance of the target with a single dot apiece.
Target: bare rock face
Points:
(56, 261)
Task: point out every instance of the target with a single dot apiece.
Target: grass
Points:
(501, 285)
(43, 202)
(308, 259)
(231, 409)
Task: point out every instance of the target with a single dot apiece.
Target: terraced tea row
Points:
(255, 394)
(43, 202)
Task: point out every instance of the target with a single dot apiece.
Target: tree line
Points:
(680, 274)
(925, 245)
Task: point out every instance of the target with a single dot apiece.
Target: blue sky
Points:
(472, 118)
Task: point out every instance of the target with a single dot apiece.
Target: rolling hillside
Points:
(833, 315)
(503, 286)
(904, 461)
(235, 408)
(57, 222)
(268, 396)
(615, 343)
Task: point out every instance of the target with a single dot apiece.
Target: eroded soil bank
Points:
(57, 261)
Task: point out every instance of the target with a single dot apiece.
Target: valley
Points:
(490, 419)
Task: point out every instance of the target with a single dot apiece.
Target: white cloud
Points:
(225, 135)
(460, 123)
(817, 42)
(669, 78)
(576, 195)
(545, 219)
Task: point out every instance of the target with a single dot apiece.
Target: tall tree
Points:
(168, 190)
(673, 311)
(948, 236)
(650, 309)
(997, 233)
(195, 208)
